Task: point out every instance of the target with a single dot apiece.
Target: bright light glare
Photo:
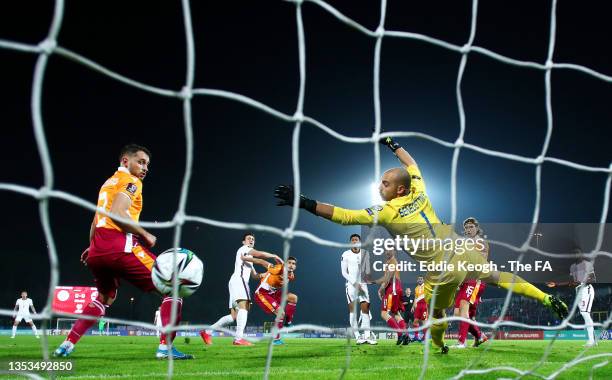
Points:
(375, 198)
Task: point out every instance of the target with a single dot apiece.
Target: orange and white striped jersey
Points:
(419, 293)
(121, 184)
(273, 278)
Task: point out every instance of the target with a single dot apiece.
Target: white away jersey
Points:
(24, 305)
(580, 272)
(355, 266)
(243, 268)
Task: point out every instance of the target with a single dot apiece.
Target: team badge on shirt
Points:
(375, 208)
(131, 188)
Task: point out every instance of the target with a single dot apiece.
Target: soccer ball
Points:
(189, 269)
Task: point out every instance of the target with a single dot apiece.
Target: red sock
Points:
(280, 326)
(416, 332)
(96, 309)
(391, 322)
(289, 311)
(165, 311)
(475, 330)
(402, 325)
(463, 330)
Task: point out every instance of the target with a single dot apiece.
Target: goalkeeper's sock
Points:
(520, 286)
(165, 313)
(289, 311)
(437, 333)
(14, 330)
(475, 330)
(94, 309)
(463, 330)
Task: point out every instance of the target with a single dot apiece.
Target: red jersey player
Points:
(120, 250)
(470, 291)
(390, 293)
(269, 292)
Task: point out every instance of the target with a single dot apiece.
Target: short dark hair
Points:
(292, 258)
(405, 179)
(131, 149)
(355, 235)
(247, 234)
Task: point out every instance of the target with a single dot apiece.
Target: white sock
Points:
(365, 324)
(241, 320)
(34, 329)
(353, 320)
(588, 321)
(14, 330)
(222, 322)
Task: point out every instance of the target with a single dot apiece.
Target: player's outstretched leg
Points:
(165, 312)
(222, 322)
(94, 309)
(505, 280)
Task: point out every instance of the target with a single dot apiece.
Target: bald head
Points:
(394, 183)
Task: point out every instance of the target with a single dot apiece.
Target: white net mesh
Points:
(50, 46)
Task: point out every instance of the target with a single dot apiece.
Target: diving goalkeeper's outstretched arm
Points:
(364, 217)
(394, 183)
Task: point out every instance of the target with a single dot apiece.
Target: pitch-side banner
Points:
(73, 299)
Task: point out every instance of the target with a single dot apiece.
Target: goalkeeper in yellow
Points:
(407, 212)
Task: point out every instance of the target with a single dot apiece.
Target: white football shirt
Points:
(355, 265)
(580, 272)
(243, 268)
(24, 305)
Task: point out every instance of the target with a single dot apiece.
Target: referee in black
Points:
(408, 301)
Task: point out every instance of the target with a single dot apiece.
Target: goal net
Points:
(51, 46)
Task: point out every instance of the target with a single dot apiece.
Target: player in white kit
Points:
(355, 266)
(22, 309)
(239, 291)
(582, 275)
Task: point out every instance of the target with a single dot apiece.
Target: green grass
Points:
(133, 358)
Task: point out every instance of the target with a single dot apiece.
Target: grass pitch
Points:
(134, 358)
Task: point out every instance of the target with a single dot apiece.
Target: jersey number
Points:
(104, 200)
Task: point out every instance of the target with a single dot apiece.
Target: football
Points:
(189, 269)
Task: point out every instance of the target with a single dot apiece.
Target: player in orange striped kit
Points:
(119, 250)
(390, 293)
(269, 292)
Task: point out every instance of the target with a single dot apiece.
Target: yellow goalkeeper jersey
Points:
(412, 216)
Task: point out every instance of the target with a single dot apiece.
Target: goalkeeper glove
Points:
(389, 142)
(284, 194)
